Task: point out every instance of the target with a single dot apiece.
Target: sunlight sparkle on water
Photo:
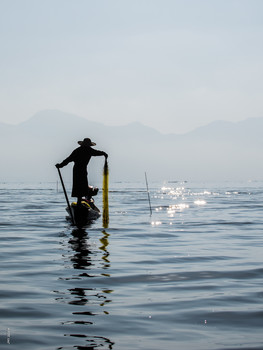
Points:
(200, 202)
(178, 191)
(159, 208)
(156, 223)
(176, 207)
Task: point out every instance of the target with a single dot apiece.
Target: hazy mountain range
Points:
(218, 151)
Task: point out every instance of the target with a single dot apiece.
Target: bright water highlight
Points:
(187, 277)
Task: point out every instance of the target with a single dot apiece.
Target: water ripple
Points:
(187, 277)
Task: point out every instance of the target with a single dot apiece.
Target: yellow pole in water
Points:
(105, 187)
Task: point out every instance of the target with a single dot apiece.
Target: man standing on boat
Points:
(81, 157)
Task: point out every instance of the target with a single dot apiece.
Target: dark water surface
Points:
(188, 277)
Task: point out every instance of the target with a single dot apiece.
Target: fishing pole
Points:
(105, 216)
(149, 199)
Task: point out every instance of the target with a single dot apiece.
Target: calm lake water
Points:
(187, 277)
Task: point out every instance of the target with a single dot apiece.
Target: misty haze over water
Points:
(218, 151)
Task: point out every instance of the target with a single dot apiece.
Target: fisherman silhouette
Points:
(81, 157)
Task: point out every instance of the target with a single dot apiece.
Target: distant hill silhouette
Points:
(217, 151)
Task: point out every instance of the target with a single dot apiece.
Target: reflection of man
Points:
(81, 157)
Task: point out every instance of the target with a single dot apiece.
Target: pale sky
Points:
(171, 64)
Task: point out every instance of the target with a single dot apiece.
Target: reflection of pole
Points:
(105, 215)
(104, 241)
(149, 200)
(66, 196)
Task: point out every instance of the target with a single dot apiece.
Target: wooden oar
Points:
(66, 196)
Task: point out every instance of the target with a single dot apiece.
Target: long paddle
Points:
(66, 196)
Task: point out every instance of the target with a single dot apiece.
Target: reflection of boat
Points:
(87, 302)
(83, 214)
